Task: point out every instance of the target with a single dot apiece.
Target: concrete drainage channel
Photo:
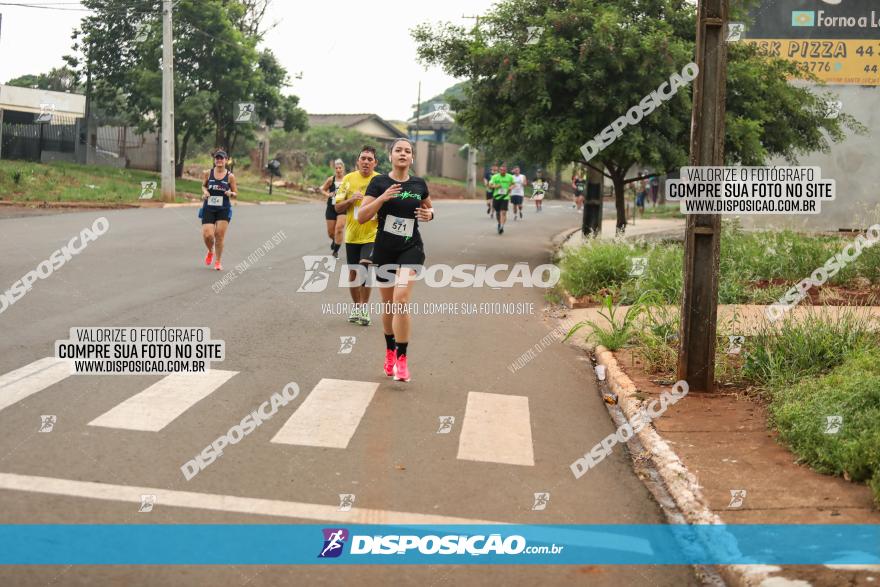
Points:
(647, 471)
(671, 480)
(674, 487)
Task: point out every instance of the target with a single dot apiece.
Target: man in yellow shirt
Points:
(359, 237)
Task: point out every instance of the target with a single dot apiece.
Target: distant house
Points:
(25, 105)
(36, 125)
(432, 126)
(371, 125)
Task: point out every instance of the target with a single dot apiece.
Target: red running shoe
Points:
(209, 257)
(218, 266)
(401, 371)
(390, 360)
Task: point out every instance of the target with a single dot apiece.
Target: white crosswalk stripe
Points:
(329, 416)
(161, 403)
(497, 429)
(28, 380)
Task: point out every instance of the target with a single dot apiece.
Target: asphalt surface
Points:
(147, 271)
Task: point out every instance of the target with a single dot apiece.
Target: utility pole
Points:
(419, 126)
(699, 307)
(471, 169)
(168, 159)
(476, 20)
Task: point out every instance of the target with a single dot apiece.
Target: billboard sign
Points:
(837, 40)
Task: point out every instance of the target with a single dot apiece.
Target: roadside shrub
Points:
(775, 259)
(596, 265)
(657, 335)
(621, 325)
(663, 275)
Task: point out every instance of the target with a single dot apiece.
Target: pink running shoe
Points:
(401, 371)
(390, 360)
(218, 266)
(209, 257)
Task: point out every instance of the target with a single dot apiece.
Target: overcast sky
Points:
(355, 56)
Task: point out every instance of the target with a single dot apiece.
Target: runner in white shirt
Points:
(539, 190)
(517, 191)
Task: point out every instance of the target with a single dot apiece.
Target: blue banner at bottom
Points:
(459, 544)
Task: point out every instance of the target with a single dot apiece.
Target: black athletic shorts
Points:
(391, 260)
(330, 213)
(499, 205)
(516, 200)
(358, 254)
(488, 194)
(212, 215)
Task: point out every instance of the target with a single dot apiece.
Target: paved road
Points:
(514, 434)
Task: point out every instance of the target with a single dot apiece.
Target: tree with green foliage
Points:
(59, 79)
(453, 92)
(588, 62)
(216, 65)
(321, 145)
(324, 144)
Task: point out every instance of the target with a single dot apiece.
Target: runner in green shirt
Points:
(500, 183)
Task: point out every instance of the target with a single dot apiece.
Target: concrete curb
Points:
(126, 205)
(558, 240)
(682, 485)
(70, 205)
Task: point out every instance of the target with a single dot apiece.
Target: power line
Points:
(47, 5)
(60, 6)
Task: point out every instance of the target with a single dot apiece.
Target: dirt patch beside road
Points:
(442, 191)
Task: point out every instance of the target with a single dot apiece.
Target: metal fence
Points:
(129, 147)
(28, 140)
(66, 138)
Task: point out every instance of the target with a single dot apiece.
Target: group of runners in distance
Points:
(377, 217)
(508, 189)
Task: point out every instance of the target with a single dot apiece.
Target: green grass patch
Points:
(24, 182)
(806, 370)
(597, 266)
(803, 349)
(662, 276)
(851, 392)
(662, 211)
(755, 267)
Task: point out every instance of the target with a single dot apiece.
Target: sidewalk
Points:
(746, 319)
(709, 446)
(651, 229)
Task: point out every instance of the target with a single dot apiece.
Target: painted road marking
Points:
(158, 405)
(28, 380)
(329, 416)
(497, 429)
(222, 503)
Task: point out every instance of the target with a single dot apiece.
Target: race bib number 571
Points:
(400, 226)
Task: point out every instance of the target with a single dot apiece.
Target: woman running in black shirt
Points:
(218, 186)
(400, 201)
(335, 221)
